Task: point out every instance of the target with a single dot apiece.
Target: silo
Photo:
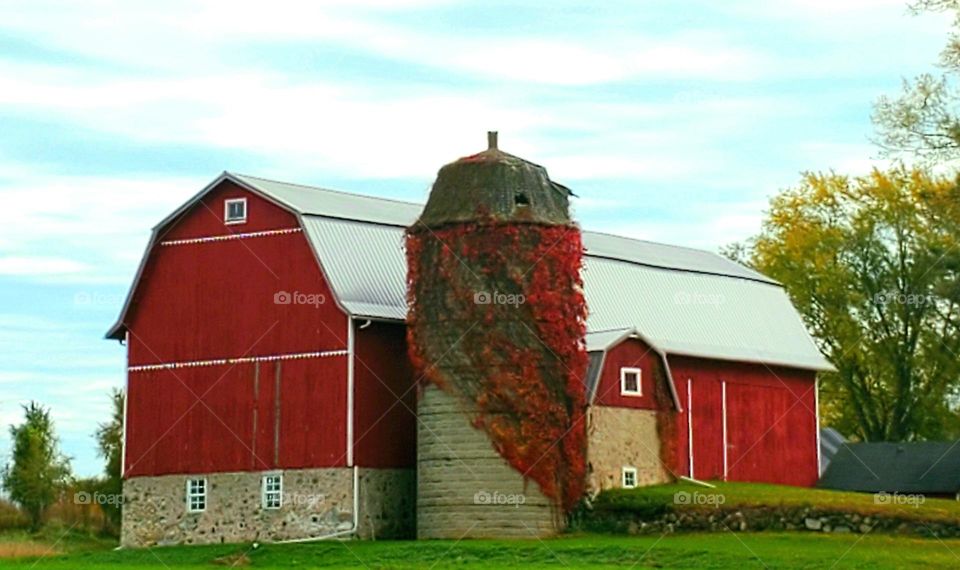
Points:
(496, 326)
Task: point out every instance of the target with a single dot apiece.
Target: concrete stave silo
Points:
(496, 329)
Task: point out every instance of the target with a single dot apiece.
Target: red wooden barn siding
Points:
(385, 425)
(216, 300)
(771, 421)
(631, 353)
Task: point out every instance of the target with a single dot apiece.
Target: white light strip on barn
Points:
(241, 360)
(232, 236)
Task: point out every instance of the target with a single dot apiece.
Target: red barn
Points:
(270, 396)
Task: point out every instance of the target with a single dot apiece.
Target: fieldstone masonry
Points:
(620, 437)
(316, 502)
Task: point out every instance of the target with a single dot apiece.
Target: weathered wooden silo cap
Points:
(495, 186)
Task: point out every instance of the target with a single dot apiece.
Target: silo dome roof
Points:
(495, 186)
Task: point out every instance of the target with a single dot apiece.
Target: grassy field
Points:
(58, 550)
(727, 550)
(660, 498)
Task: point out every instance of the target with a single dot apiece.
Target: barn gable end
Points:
(241, 365)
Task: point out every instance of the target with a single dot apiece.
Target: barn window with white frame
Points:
(272, 487)
(235, 211)
(196, 495)
(630, 383)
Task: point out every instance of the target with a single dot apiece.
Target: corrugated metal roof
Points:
(335, 204)
(682, 300)
(364, 263)
(663, 255)
(603, 339)
(699, 314)
(680, 312)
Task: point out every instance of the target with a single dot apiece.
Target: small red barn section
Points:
(696, 417)
(271, 398)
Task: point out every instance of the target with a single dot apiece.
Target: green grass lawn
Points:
(56, 550)
(659, 498)
(724, 550)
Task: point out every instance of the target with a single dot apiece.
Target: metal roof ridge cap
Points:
(322, 189)
(358, 220)
(762, 279)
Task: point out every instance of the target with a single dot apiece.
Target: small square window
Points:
(271, 491)
(196, 495)
(235, 211)
(629, 477)
(631, 382)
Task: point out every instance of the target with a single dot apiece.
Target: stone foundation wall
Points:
(388, 503)
(755, 519)
(464, 488)
(622, 437)
(316, 502)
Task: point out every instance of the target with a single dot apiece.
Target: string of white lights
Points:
(241, 360)
(232, 236)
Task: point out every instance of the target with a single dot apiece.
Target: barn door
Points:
(768, 434)
(705, 429)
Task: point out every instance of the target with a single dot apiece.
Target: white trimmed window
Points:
(196, 495)
(271, 491)
(235, 211)
(631, 382)
(629, 478)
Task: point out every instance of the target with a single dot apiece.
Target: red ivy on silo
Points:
(519, 352)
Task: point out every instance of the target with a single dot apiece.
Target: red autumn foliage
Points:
(521, 366)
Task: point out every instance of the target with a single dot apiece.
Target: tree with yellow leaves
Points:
(872, 264)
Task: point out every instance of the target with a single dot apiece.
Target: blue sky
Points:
(673, 121)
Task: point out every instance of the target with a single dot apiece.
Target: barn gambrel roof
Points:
(683, 301)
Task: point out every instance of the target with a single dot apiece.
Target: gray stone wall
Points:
(388, 503)
(464, 488)
(768, 518)
(619, 437)
(316, 502)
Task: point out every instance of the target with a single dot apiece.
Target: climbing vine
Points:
(496, 319)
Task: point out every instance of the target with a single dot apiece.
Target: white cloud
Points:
(707, 226)
(39, 266)
(82, 229)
